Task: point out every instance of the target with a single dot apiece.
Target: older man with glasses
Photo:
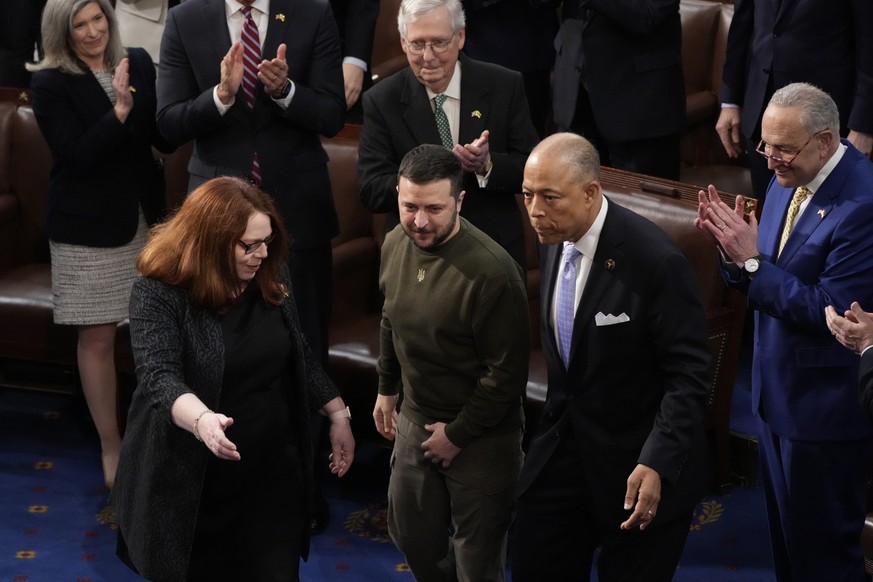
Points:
(477, 110)
(812, 248)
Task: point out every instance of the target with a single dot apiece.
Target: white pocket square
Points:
(610, 319)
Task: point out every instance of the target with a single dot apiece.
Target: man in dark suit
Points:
(854, 329)
(828, 43)
(487, 123)
(356, 21)
(812, 248)
(298, 95)
(619, 458)
(274, 140)
(618, 81)
(19, 39)
(519, 36)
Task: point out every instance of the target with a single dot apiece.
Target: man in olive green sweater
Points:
(456, 339)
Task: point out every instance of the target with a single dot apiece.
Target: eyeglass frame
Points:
(249, 248)
(781, 161)
(437, 49)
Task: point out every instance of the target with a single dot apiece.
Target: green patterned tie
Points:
(442, 121)
(799, 196)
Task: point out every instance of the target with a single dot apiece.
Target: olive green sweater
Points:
(455, 332)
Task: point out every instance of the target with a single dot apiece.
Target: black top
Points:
(257, 346)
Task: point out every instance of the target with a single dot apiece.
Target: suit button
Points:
(557, 434)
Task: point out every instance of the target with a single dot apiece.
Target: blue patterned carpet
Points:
(54, 524)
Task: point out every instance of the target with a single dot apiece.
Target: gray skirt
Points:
(91, 285)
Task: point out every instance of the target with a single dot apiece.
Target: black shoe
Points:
(320, 516)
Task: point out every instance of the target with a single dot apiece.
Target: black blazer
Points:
(635, 392)
(866, 382)
(628, 55)
(398, 117)
(293, 162)
(179, 348)
(356, 22)
(103, 170)
(827, 43)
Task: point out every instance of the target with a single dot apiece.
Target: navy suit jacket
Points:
(628, 55)
(103, 170)
(635, 392)
(511, 33)
(804, 383)
(398, 117)
(356, 22)
(293, 162)
(865, 374)
(828, 43)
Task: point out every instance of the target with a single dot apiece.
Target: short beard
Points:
(440, 238)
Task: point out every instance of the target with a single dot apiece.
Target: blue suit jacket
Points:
(828, 43)
(635, 392)
(804, 382)
(293, 162)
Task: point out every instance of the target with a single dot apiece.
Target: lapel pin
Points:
(477, 114)
(609, 264)
(821, 212)
(280, 17)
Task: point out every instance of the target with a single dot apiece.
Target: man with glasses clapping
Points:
(477, 110)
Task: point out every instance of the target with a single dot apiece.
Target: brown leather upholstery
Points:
(705, 25)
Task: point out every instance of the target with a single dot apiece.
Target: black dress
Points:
(250, 519)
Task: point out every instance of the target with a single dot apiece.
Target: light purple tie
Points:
(567, 300)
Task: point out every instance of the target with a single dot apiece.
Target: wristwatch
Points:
(751, 266)
(286, 88)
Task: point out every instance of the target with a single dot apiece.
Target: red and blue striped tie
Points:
(251, 57)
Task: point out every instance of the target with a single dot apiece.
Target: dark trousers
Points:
(559, 526)
(312, 285)
(656, 156)
(761, 174)
(816, 494)
(255, 538)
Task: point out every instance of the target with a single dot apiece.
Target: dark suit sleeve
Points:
(377, 168)
(861, 116)
(637, 17)
(733, 82)
(184, 110)
(508, 171)
(678, 329)
(77, 145)
(358, 27)
(865, 382)
(319, 102)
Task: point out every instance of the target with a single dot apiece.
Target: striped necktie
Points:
(800, 195)
(442, 121)
(251, 42)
